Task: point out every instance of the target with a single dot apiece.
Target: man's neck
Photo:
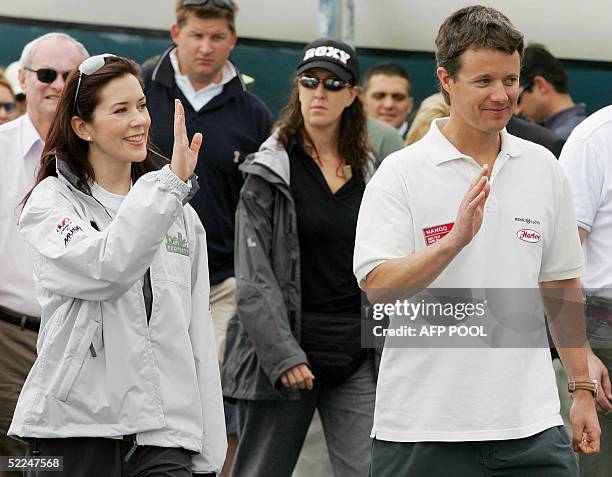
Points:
(201, 83)
(561, 103)
(482, 146)
(41, 124)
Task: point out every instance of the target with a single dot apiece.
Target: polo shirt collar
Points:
(29, 134)
(442, 150)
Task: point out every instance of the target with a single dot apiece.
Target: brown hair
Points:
(474, 27)
(353, 139)
(208, 10)
(63, 143)
(388, 69)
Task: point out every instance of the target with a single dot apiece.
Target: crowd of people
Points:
(183, 279)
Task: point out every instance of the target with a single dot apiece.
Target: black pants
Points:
(546, 454)
(101, 457)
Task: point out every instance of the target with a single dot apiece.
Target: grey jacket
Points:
(263, 340)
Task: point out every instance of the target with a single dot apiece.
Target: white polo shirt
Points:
(21, 148)
(587, 161)
(467, 394)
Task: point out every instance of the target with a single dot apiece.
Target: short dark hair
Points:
(538, 61)
(206, 11)
(474, 27)
(388, 69)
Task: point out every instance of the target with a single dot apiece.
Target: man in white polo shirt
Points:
(44, 66)
(470, 206)
(587, 161)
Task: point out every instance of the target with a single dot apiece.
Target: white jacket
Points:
(102, 370)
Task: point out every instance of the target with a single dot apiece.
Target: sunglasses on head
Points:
(47, 75)
(224, 4)
(89, 67)
(330, 84)
(8, 107)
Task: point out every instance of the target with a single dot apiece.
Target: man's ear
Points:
(81, 128)
(21, 75)
(175, 30)
(411, 104)
(445, 79)
(541, 84)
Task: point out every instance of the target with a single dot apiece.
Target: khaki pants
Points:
(223, 308)
(17, 355)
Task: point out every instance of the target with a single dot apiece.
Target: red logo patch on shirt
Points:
(528, 235)
(433, 234)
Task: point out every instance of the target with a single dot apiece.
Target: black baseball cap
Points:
(332, 55)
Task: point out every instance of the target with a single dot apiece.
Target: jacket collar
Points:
(163, 73)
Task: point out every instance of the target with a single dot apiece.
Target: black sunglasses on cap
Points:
(330, 84)
(47, 75)
(224, 4)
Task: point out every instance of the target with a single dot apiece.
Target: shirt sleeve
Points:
(385, 228)
(562, 256)
(582, 164)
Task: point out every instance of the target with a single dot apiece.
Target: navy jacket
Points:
(234, 124)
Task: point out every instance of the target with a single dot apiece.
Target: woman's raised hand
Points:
(184, 155)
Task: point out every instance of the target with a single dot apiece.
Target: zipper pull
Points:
(130, 453)
(92, 350)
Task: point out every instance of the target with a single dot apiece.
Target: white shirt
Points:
(110, 201)
(587, 160)
(21, 148)
(469, 394)
(199, 98)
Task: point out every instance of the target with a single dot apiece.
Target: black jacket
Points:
(532, 132)
(234, 124)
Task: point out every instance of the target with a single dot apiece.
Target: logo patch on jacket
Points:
(67, 230)
(177, 244)
(433, 234)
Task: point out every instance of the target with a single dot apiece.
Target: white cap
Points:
(11, 73)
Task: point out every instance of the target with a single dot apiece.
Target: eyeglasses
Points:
(47, 75)
(89, 67)
(224, 4)
(8, 107)
(330, 84)
(525, 88)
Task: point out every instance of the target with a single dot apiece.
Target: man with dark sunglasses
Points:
(197, 70)
(21, 143)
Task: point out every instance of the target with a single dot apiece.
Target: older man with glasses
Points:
(44, 65)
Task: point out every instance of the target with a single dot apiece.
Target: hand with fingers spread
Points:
(471, 210)
(184, 155)
(298, 377)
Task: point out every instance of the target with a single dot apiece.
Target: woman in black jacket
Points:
(295, 345)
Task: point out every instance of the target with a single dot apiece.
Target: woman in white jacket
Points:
(126, 381)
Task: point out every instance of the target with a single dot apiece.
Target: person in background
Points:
(127, 379)
(11, 73)
(295, 345)
(545, 97)
(7, 101)
(432, 107)
(387, 95)
(45, 63)
(383, 139)
(198, 71)
(587, 162)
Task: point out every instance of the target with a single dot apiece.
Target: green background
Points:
(272, 63)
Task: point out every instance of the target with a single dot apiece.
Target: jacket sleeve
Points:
(201, 333)
(259, 300)
(73, 259)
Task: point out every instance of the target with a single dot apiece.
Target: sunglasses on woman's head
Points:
(8, 107)
(89, 67)
(47, 75)
(330, 84)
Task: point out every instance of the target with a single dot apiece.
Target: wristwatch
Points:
(586, 385)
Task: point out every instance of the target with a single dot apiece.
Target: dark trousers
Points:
(546, 454)
(17, 355)
(101, 457)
